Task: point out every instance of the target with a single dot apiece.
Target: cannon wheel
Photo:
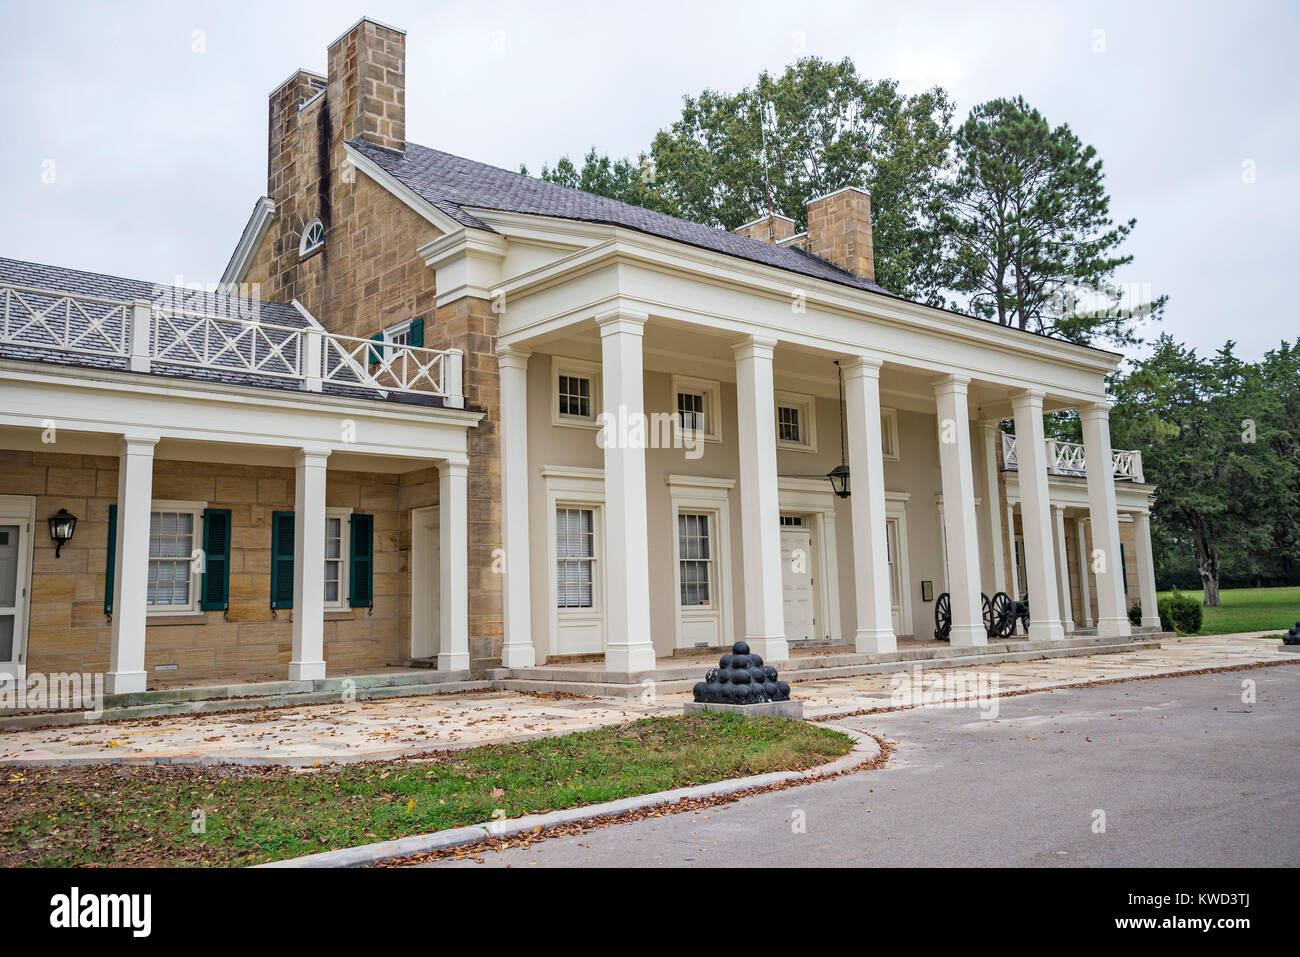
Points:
(943, 617)
(1003, 616)
(986, 607)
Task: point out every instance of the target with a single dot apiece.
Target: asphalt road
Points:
(1185, 772)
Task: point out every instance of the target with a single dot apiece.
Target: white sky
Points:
(158, 152)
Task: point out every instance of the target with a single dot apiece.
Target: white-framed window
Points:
(796, 424)
(398, 334)
(697, 404)
(313, 238)
(575, 392)
(575, 557)
(175, 537)
(695, 558)
(338, 543)
(889, 434)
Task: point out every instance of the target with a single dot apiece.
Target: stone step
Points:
(298, 693)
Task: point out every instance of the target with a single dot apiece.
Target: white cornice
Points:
(250, 240)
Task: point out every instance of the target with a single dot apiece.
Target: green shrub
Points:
(1180, 613)
(1135, 613)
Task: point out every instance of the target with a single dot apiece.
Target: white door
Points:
(425, 581)
(895, 575)
(699, 603)
(797, 583)
(16, 519)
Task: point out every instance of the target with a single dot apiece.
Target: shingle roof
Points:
(454, 184)
(59, 279)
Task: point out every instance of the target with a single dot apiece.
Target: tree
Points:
(1026, 219)
(813, 129)
(1211, 444)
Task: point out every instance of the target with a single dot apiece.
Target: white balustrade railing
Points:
(1067, 458)
(62, 323)
(145, 334)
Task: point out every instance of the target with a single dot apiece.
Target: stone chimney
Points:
(367, 85)
(839, 230)
(293, 148)
(768, 229)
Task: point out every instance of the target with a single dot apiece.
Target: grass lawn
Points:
(114, 815)
(1249, 609)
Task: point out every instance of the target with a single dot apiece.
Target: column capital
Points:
(864, 365)
(1028, 399)
(311, 455)
(1095, 410)
(454, 467)
(138, 443)
(952, 385)
(622, 320)
(513, 358)
(753, 347)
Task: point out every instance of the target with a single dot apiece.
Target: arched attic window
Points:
(313, 238)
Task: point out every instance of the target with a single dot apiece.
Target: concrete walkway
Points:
(389, 728)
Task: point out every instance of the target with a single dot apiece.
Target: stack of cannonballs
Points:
(741, 678)
(1292, 637)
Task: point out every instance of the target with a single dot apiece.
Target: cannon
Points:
(1000, 615)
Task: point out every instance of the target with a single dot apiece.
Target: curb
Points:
(865, 749)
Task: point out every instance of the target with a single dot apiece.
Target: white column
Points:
(1112, 616)
(308, 661)
(1011, 550)
(131, 565)
(1036, 518)
(867, 501)
(628, 649)
(959, 521)
(453, 566)
(760, 515)
(517, 651)
(1146, 570)
(1085, 588)
(991, 433)
(1063, 570)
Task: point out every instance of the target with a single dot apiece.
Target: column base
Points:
(125, 682)
(629, 659)
(967, 636)
(769, 649)
(1068, 626)
(1114, 628)
(518, 656)
(877, 641)
(306, 670)
(1046, 631)
(457, 661)
(1151, 622)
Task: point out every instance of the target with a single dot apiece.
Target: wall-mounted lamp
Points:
(62, 524)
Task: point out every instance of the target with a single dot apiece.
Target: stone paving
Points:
(394, 727)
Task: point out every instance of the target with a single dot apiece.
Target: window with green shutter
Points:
(282, 559)
(215, 592)
(362, 562)
(415, 334)
(110, 561)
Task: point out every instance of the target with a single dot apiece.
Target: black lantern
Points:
(62, 524)
(839, 476)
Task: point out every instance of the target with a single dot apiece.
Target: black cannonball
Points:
(756, 674)
(740, 676)
(701, 688)
(711, 674)
(741, 648)
(770, 689)
(756, 661)
(769, 673)
(726, 661)
(782, 691)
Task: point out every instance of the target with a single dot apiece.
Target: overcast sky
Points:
(154, 136)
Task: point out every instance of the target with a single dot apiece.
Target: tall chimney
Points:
(367, 85)
(768, 229)
(839, 230)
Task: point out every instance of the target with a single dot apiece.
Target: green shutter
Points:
(1123, 565)
(110, 562)
(415, 336)
(215, 594)
(282, 559)
(374, 350)
(362, 562)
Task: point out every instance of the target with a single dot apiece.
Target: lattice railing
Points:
(144, 334)
(63, 323)
(1068, 458)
